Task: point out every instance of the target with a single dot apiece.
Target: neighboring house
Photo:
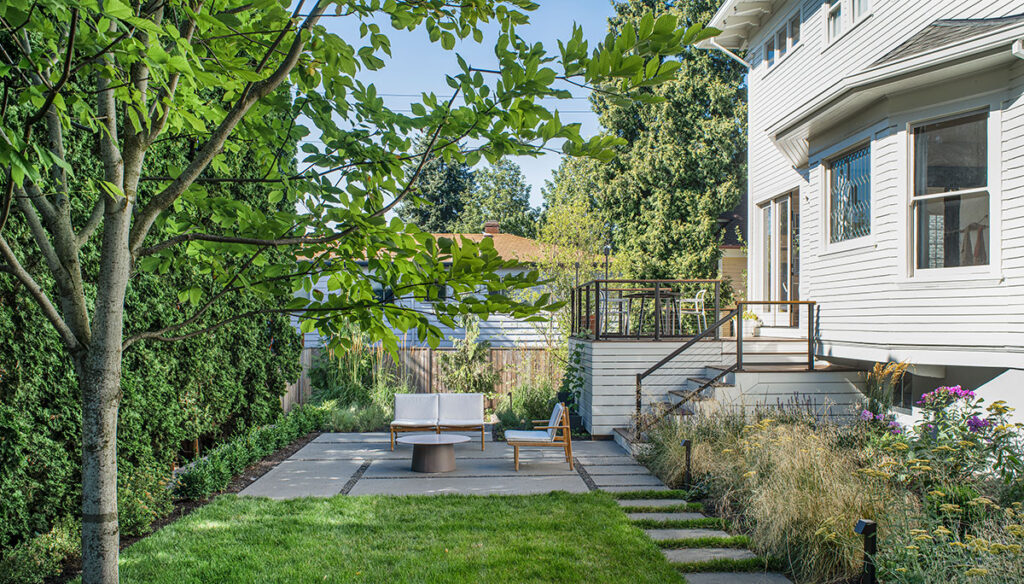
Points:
(733, 264)
(886, 180)
(499, 330)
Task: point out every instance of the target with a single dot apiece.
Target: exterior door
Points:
(780, 269)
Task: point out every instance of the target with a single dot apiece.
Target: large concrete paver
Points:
(299, 478)
(472, 467)
(620, 489)
(616, 469)
(690, 555)
(682, 516)
(517, 485)
(737, 578)
(650, 502)
(639, 481)
(661, 534)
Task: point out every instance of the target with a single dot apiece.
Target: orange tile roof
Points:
(508, 246)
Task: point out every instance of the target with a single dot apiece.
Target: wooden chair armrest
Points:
(551, 428)
(540, 421)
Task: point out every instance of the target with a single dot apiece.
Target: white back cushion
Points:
(416, 406)
(556, 417)
(461, 406)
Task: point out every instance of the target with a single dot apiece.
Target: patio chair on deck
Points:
(697, 310)
(553, 433)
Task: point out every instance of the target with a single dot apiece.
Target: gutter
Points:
(738, 59)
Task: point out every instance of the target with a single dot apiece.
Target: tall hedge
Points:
(207, 388)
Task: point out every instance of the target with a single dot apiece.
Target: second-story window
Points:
(784, 40)
(850, 195)
(860, 9)
(835, 19)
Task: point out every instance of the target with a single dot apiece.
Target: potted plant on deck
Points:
(751, 324)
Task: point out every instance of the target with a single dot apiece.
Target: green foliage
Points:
(214, 472)
(40, 556)
(467, 368)
(525, 403)
(501, 194)
(442, 190)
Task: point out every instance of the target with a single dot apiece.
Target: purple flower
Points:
(879, 417)
(944, 395)
(976, 424)
(895, 427)
(866, 416)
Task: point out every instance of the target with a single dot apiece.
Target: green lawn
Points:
(559, 537)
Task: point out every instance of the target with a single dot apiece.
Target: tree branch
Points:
(65, 75)
(49, 310)
(253, 93)
(92, 222)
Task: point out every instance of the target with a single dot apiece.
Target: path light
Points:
(687, 477)
(868, 529)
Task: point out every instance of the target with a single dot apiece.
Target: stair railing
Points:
(738, 366)
(711, 331)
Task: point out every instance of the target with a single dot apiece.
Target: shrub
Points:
(467, 368)
(527, 402)
(355, 419)
(356, 388)
(214, 472)
(40, 557)
(143, 497)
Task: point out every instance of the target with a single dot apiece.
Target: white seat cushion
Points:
(444, 422)
(556, 417)
(414, 423)
(527, 436)
(462, 407)
(416, 406)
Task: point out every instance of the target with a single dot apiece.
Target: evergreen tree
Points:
(502, 195)
(683, 163)
(442, 189)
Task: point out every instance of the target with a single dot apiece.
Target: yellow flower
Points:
(921, 467)
(958, 544)
(976, 572)
(912, 547)
(949, 508)
(942, 531)
(749, 474)
(937, 493)
(980, 501)
(923, 537)
(727, 451)
(943, 448)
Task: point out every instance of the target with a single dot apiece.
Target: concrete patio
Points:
(363, 464)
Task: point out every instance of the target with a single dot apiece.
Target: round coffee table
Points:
(433, 452)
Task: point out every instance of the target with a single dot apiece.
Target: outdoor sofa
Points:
(424, 412)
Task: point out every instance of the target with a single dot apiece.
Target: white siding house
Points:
(886, 180)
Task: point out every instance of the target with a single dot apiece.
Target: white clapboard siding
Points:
(870, 306)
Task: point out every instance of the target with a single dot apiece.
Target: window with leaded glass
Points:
(850, 195)
(950, 196)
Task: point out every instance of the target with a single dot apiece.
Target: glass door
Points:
(780, 276)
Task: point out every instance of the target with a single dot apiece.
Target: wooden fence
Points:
(420, 368)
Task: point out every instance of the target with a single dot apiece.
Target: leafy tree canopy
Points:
(441, 193)
(501, 194)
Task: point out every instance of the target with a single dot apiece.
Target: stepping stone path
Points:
(678, 553)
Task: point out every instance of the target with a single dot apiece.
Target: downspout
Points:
(1018, 48)
(738, 59)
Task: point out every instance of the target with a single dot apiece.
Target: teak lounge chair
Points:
(553, 433)
(433, 412)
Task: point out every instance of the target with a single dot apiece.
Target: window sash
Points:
(769, 51)
(835, 19)
(849, 188)
(794, 30)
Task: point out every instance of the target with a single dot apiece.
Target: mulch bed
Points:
(72, 567)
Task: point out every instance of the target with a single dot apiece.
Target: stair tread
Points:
(707, 380)
(691, 555)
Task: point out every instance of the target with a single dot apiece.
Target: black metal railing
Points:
(735, 315)
(645, 309)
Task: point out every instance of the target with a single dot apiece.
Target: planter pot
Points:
(575, 421)
(750, 331)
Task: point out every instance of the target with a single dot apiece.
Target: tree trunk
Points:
(100, 384)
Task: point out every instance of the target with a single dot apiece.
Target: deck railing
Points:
(645, 309)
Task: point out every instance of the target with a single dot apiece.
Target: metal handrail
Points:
(588, 316)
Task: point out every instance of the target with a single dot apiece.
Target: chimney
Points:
(492, 228)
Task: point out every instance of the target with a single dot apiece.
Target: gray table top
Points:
(433, 439)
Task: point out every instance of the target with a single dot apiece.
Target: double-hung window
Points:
(951, 192)
(849, 182)
(835, 19)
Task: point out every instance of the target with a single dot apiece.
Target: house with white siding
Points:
(886, 180)
(885, 220)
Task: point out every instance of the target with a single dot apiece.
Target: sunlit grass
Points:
(558, 537)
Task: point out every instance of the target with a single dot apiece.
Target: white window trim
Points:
(993, 271)
(825, 158)
(790, 46)
(849, 22)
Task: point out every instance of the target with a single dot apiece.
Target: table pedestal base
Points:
(433, 457)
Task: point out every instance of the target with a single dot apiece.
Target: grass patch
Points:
(733, 541)
(701, 523)
(651, 494)
(728, 565)
(684, 507)
(556, 537)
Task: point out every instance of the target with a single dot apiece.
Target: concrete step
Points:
(651, 502)
(661, 534)
(691, 555)
(737, 578)
(675, 516)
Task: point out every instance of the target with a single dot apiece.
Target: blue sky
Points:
(416, 65)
